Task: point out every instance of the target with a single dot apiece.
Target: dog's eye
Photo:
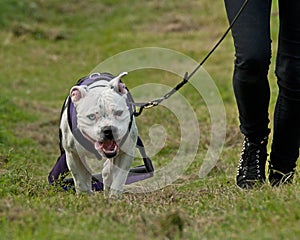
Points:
(92, 116)
(118, 113)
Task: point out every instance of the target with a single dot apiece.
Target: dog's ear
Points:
(78, 92)
(117, 85)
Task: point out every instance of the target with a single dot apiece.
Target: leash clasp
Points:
(147, 105)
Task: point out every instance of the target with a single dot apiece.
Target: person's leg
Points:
(251, 35)
(286, 140)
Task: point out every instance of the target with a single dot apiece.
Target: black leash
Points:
(187, 76)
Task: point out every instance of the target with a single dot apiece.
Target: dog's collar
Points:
(86, 141)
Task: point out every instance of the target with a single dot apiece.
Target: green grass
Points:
(46, 46)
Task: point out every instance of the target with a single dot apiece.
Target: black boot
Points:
(251, 168)
(279, 177)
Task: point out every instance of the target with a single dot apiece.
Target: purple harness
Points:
(60, 170)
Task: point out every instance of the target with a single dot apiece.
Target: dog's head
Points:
(103, 115)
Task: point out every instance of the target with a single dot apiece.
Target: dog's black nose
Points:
(109, 132)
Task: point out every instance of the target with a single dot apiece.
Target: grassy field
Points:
(46, 46)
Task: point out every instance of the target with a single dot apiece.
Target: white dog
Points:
(104, 119)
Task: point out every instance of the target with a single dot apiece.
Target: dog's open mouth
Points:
(108, 147)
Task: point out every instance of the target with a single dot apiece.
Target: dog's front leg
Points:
(121, 166)
(107, 175)
(82, 177)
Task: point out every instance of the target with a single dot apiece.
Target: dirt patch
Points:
(179, 23)
(44, 131)
(38, 31)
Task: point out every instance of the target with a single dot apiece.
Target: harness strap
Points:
(148, 163)
(72, 120)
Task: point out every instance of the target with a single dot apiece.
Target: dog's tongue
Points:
(107, 146)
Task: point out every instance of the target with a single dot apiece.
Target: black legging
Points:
(252, 42)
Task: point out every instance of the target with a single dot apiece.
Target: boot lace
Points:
(251, 168)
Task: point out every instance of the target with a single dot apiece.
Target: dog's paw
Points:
(113, 194)
(80, 192)
(135, 188)
(115, 197)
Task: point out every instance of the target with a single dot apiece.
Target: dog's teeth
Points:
(97, 146)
